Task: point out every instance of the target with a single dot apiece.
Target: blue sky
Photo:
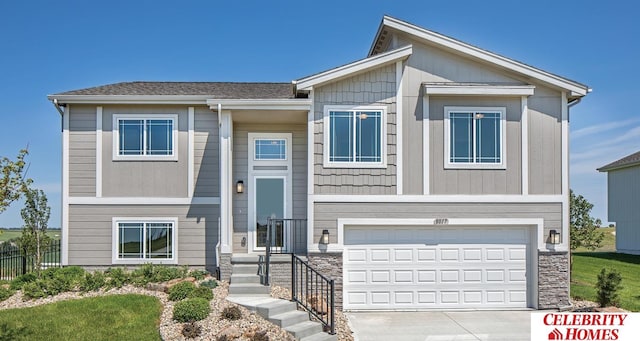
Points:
(54, 46)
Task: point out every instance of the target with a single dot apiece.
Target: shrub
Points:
(33, 290)
(211, 284)
(21, 280)
(202, 292)
(149, 273)
(92, 282)
(181, 291)
(6, 293)
(231, 313)
(191, 330)
(191, 309)
(609, 282)
(56, 285)
(198, 274)
(260, 336)
(117, 277)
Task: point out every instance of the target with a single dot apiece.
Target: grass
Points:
(608, 243)
(587, 265)
(6, 234)
(117, 317)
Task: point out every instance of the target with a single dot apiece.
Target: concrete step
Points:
(245, 259)
(304, 329)
(244, 278)
(244, 269)
(274, 308)
(251, 302)
(248, 289)
(289, 318)
(320, 337)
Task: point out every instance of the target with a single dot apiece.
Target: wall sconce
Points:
(239, 186)
(325, 237)
(554, 237)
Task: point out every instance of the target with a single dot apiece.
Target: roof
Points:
(627, 161)
(388, 24)
(220, 90)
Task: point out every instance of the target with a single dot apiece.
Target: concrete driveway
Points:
(432, 326)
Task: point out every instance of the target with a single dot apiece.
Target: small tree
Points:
(609, 282)
(12, 179)
(584, 228)
(35, 215)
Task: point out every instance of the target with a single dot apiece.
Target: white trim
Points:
(226, 161)
(191, 148)
(130, 99)
(116, 137)
(524, 148)
(301, 104)
(64, 248)
(426, 178)
(143, 201)
(352, 68)
(98, 151)
(252, 137)
(327, 135)
(439, 198)
(399, 135)
(484, 55)
(479, 89)
(310, 167)
(503, 136)
(114, 240)
(565, 171)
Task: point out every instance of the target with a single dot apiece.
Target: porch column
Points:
(226, 162)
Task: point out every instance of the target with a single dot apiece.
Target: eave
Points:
(303, 104)
(478, 89)
(130, 99)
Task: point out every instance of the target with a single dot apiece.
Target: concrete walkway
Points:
(440, 326)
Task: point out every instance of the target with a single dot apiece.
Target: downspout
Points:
(55, 103)
(219, 244)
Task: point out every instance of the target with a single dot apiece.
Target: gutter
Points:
(57, 105)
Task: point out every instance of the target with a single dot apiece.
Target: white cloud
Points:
(597, 129)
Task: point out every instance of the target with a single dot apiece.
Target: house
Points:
(437, 171)
(623, 188)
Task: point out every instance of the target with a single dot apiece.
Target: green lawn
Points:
(117, 317)
(6, 234)
(587, 265)
(608, 243)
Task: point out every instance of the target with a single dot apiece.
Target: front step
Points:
(244, 278)
(244, 269)
(304, 329)
(275, 308)
(320, 337)
(249, 289)
(289, 318)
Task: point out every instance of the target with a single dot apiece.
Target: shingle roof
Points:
(217, 90)
(629, 160)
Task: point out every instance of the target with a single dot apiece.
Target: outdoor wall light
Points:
(325, 237)
(554, 237)
(239, 186)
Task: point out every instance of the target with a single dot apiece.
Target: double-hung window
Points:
(354, 136)
(144, 240)
(474, 137)
(145, 137)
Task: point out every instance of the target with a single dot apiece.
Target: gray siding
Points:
(82, 151)
(206, 153)
(326, 214)
(545, 142)
(90, 231)
(240, 172)
(376, 87)
(144, 178)
(623, 199)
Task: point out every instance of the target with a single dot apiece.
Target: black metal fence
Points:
(313, 291)
(15, 262)
(283, 236)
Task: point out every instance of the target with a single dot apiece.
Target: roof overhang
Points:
(612, 167)
(574, 89)
(303, 104)
(478, 89)
(130, 99)
(354, 68)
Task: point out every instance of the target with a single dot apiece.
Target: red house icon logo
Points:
(555, 335)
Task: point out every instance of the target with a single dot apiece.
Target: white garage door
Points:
(435, 267)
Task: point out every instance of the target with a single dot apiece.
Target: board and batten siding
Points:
(82, 151)
(623, 198)
(240, 172)
(326, 214)
(90, 231)
(545, 142)
(206, 153)
(375, 87)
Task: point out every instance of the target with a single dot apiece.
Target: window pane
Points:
(341, 138)
(159, 137)
(460, 135)
(368, 136)
(131, 137)
(488, 138)
(130, 242)
(269, 149)
(159, 240)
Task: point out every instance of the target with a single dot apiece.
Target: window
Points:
(139, 241)
(270, 149)
(474, 137)
(145, 137)
(355, 137)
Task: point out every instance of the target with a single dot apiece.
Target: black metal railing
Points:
(15, 262)
(313, 291)
(283, 236)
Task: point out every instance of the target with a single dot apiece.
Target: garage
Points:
(435, 267)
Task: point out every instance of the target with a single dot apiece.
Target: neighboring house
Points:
(623, 201)
(438, 169)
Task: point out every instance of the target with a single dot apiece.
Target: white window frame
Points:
(116, 137)
(327, 137)
(475, 165)
(115, 244)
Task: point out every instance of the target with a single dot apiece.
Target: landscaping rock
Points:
(230, 332)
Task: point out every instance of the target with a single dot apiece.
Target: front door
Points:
(270, 203)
